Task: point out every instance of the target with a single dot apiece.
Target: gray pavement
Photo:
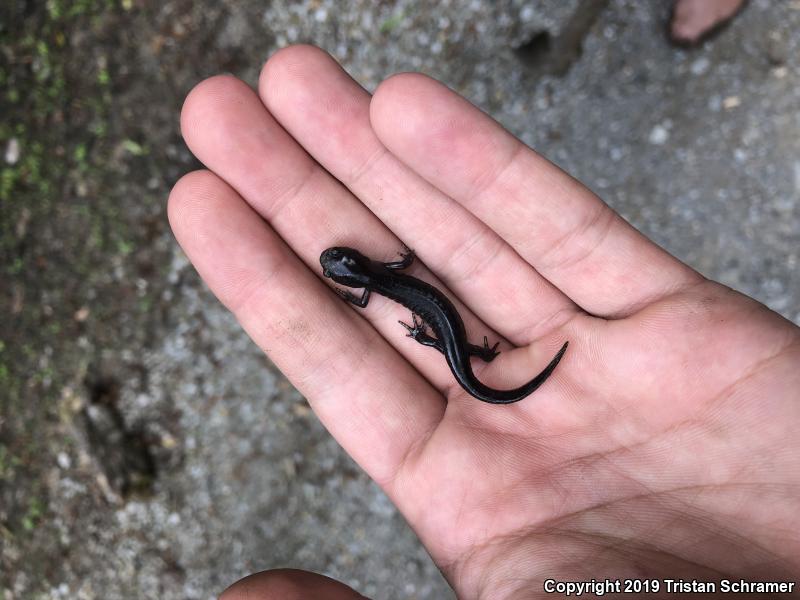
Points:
(699, 149)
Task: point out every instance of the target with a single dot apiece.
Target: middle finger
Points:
(327, 112)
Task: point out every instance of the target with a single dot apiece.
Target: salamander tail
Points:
(515, 395)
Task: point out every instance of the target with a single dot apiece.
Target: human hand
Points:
(664, 443)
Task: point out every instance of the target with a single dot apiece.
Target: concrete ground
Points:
(147, 448)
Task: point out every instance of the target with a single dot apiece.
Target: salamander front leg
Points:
(405, 261)
(417, 332)
(485, 353)
(353, 299)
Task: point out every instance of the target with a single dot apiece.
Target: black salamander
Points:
(350, 268)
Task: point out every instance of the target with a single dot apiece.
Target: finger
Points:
(289, 584)
(568, 234)
(327, 112)
(327, 352)
(227, 127)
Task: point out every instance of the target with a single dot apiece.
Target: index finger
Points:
(560, 227)
(328, 352)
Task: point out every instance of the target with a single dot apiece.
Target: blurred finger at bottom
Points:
(289, 584)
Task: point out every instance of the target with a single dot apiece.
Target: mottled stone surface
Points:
(147, 448)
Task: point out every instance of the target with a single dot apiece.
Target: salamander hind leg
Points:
(485, 353)
(417, 332)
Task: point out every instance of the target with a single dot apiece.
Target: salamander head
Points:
(345, 266)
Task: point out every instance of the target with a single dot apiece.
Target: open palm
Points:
(663, 445)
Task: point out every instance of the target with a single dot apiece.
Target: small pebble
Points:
(700, 66)
(659, 135)
(63, 460)
(731, 102)
(527, 13)
(12, 151)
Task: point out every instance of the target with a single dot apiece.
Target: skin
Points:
(693, 19)
(664, 445)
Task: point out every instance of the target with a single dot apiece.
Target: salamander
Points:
(350, 268)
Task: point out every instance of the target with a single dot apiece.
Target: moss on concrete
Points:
(70, 253)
